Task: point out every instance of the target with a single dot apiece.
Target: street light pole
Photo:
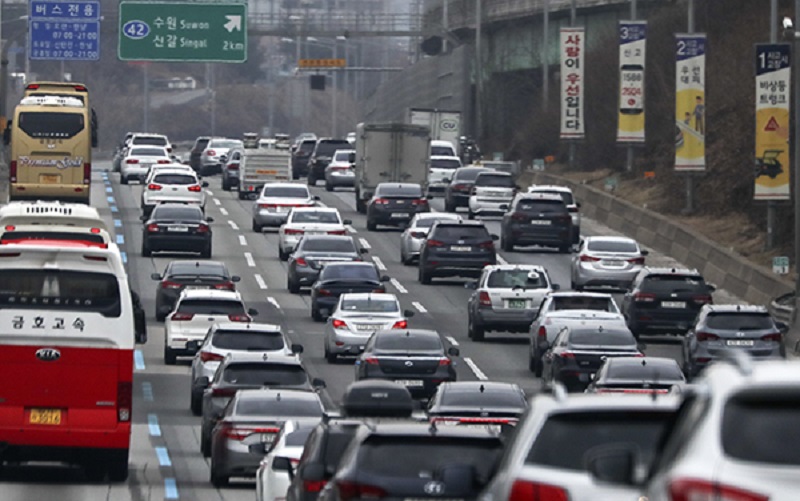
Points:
(796, 161)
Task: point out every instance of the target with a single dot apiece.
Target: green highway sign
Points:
(181, 31)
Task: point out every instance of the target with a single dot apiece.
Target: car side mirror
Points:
(446, 181)
(471, 285)
(644, 252)
(429, 197)
(314, 472)
(316, 197)
(209, 219)
(495, 238)
(143, 218)
(453, 351)
(711, 287)
(503, 207)
(297, 348)
(194, 345)
(351, 158)
(236, 278)
(364, 250)
(408, 313)
(155, 276)
(578, 205)
(385, 278)
(252, 311)
(347, 221)
(7, 134)
(782, 327)
(318, 383)
(556, 287)
(203, 382)
(281, 463)
(615, 465)
(204, 184)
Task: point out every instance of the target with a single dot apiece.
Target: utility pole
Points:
(689, 177)
(572, 19)
(478, 70)
(773, 39)
(146, 97)
(545, 51)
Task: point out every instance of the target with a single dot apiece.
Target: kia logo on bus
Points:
(48, 354)
(448, 125)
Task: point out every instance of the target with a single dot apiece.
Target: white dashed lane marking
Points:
(242, 240)
(419, 307)
(379, 263)
(223, 211)
(398, 286)
(217, 202)
(452, 340)
(364, 243)
(475, 370)
(260, 280)
(249, 258)
(233, 224)
(273, 302)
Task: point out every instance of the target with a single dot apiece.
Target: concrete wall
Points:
(726, 269)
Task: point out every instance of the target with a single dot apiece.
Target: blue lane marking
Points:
(170, 489)
(147, 391)
(120, 239)
(155, 429)
(114, 208)
(117, 223)
(163, 456)
(109, 189)
(110, 199)
(138, 360)
(124, 256)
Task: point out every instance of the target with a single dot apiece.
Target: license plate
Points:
(613, 263)
(49, 178)
(398, 215)
(410, 382)
(267, 438)
(495, 428)
(673, 304)
(516, 303)
(282, 209)
(270, 172)
(50, 417)
(460, 248)
(182, 229)
(193, 287)
(541, 222)
(740, 342)
(368, 327)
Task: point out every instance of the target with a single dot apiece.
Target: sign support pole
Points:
(629, 152)
(773, 38)
(796, 161)
(146, 96)
(572, 18)
(545, 72)
(689, 176)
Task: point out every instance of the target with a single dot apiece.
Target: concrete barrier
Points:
(726, 269)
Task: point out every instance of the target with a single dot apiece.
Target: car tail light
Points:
(434, 243)
(339, 324)
(378, 291)
(572, 209)
(230, 286)
(353, 490)
(418, 234)
(337, 232)
(233, 167)
(324, 292)
(702, 299)
(518, 216)
(87, 173)
(420, 201)
(239, 318)
(706, 336)
(241, 433)
(223, 392)
(381, 201)
(566, 354)
(563, 218)
(484, 299)
(588, 259)
(690, 489)
(164, 161)
(775, 336)
(207, 356)
(444, 361)
(290, 231)
(182, 316)
(211, 153)
(461, 187)
(195, 188)
(400, 324)
(154, 187)
(32, 86)
(313, 485)
(301, 261)
(542, 332)
(486, 245)
(636, 260)
(166, 284)
(523, 490)
(267, 206)
(80, 88)
(12, 171)
(644, 298)
(371, 360)
(132, 161)
(202, 228)
(152, 228)
(124, 401)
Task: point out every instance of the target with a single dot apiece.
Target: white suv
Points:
(173, 185)
(195, 312)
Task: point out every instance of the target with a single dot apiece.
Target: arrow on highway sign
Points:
(234, 23)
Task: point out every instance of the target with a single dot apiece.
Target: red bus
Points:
(66, 356)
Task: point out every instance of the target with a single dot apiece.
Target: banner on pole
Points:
(571, 50)
(773, 87)
(690, 103)
(630, 125)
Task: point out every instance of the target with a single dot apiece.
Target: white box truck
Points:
(389, 152)
(259, 166)
(444, 125)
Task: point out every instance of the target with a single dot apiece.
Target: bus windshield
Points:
(60, 290)
(43, 124)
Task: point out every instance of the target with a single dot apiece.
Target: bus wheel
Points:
(118, 470)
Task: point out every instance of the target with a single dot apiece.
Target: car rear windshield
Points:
(468, 174)
(761, 427)
(307, 147)
(197, 269)
(264, 374)
(328, 148)
(416, 457)
(541, 206)
(325, 217)
(181, 179)
(494, 180)
(427, 222)
(454, 233)
(488, 398)
(444, 151)
(188, 213)
(583, 303)
(565, 195)
(343, 155)
(331, 272)
(566, 440)
(652, 372)
(200, 144)
(247, 340)
(372, 305)
(274, 407)
(527, 279)
(51, 125)
(401, 342)
(335, 445)
(605, 337)
(740, 321)
(328, 245)
(285, 191)
(225, 144)
(211, 307)
(611, 246)
(443, 163)
(399, 191)
(662, 284)
(151, 140)
(78, 291)
(148, 152)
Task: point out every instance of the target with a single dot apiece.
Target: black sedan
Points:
(415, 358)
(637, 375)
(336, 279)
(394, 204)
(577, 353)
(313, 252)
(177, 228)
(483, 404)
(179, 275)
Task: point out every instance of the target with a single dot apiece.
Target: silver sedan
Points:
(606, 262)
(356, 317)
(417, 231)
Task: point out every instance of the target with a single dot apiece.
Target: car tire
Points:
(331, 358)
(146, 251)
(206, 253)
(316, 315)
(205, 443)
(424, 277)
(218, 480)
(293, 287)
(564, 249)
(475, 332)
(448, 206)
(257, 227)
(160, 317)
(283, 256)
(242, 195)
(312, 181)
(328, 186)
(123, 179)
(226, 186)
(536, 361)
(371, 226)
(470, 214)
(507, 244)
(118, 469)
(404, 259)
(196, 402)
(169, 356)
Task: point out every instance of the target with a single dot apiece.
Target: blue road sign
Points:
(64, 30)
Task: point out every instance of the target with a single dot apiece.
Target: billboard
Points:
(690, 102)
(773, 73)
(571, 50)
(630, 124)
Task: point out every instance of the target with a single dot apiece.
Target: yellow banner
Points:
(773, 76)
(322, 63)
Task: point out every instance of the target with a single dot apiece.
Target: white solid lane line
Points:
(223, 211)
(475, 370)
(242, 240)
(249, 258)
(273, 302)
(217, 202)
(419, 307)
(379, 263)
(452, 340)
(261, 283)
(398, 286)
(364, 243)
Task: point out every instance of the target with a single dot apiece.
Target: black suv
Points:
(179, 275)
(336, 279)
(537, 219)
(196, 151)
(322, 155)
(665, 300)
(457, 193)
(460, 248)
(300, 157)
